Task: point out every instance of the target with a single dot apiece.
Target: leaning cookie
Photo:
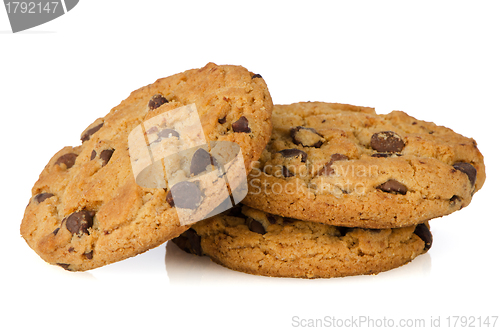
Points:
(255, 242)
(109, 198)
(345, 165)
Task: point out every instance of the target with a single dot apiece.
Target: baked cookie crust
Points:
(345, 165)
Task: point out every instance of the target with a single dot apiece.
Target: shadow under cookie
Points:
(254, 242)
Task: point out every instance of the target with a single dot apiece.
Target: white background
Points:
(437, 61)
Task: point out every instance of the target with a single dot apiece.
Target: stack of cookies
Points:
(304, 190)
(339, 191)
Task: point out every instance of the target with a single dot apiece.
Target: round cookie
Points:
(345, 165)
(87, 209)
(255, 242)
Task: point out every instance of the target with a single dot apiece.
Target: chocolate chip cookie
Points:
(87, 208)
(251, 241)
(345, 165)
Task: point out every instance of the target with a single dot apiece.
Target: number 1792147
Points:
(23, 7)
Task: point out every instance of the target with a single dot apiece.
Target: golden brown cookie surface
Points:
(346, 165)
(255, 242)
(86, 208)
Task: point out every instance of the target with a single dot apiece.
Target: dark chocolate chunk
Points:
(393, 186)
(327, 169)
(106, 155)
(286, 173)
(467, 169)
(87, 134)
(256, 76)
(80, 222)
(42, 196)
(156, 101)
(454, 199)
(387, 141)
(189, 242)
(344, 230)
(55, 231)
(89, 255)
(93, 154)
(380, 155)
(241, 125)
(65, 266)
(293, 152)
(184, 195)
(222, 120)
(201, 159)
(314, 140)
(423, 232)
(67, 159)
(256, 226)
(170, 199)
(182, 242)
(271, 219)
(194, 241)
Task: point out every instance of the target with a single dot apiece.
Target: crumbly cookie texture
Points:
(86, 208)
(255, 242)
(345, 165)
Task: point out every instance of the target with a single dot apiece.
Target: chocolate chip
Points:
(93, 154)
(293, 152)
(256, 226)
(387, 141)
(187, 195)
(170, 199)
(87, 134)
(201, 159)
(55, 231)
(65, 266)
(327, 169)
(80, 222)
(241, 125)
(454, 200)
(344, 230)
(307, 137)
(393, 186)
(42, 196)
(286, 173)
(380, 155)
(423, 232)
(256, 76)
(271, 219)
(222, 120)
(467, 169)
(167, 133)
(89, 255)
(106, 155)
(156, 101)
(194, 241)
(183, 243)
(189, 242)
(67, 159)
